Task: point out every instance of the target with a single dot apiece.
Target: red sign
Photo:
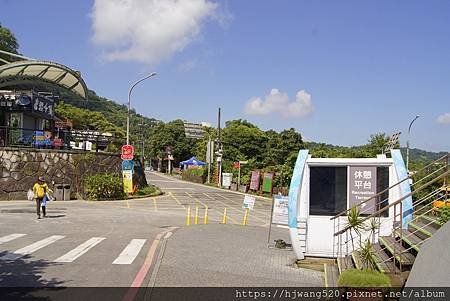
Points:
(237, 165)
(127, 152)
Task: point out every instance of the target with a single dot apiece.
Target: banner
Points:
(254, 182)
(268, 182)
(127, 176)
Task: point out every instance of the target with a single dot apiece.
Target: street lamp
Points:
(129, 103)
(407, 142)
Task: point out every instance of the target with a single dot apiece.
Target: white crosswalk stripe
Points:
(80, 250)
(130, 252)
(31, 248)
(10, 237)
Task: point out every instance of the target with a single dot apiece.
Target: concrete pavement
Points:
(226, 255)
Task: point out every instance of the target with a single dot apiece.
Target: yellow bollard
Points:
(205, 218)
(224, 220)
(196, 215)
(188, 217)
(244, 222)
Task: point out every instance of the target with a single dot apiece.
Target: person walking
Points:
(40, 190)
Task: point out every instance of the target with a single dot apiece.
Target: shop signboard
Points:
(43, 106)
(363, 186)
(254, 182)
(267, 182)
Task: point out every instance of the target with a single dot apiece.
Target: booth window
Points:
(382, 184)
(328, 190)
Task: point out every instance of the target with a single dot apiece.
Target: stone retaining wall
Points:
(20, 168)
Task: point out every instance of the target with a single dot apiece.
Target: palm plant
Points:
(354, 222)
(367, 255)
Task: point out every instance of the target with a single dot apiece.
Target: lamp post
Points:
(129, 103)
(407, 142)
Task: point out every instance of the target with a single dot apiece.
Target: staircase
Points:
(394, 252)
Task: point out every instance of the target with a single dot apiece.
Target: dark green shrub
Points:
(104, 186)
(444, 214)
(363, 278)
(194, 174)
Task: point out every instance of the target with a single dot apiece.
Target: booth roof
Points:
(35, 72)
(193, 161)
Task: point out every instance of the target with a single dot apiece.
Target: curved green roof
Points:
(42, 73)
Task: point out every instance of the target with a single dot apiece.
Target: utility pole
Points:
(219, 152)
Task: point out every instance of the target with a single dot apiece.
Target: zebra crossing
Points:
(126, 256)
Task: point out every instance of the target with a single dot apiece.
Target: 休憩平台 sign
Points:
(362, 186)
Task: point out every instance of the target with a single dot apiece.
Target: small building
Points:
(322, 188)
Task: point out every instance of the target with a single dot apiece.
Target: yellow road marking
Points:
(176, 200)
(224, 197)
(154, 204)
(240, 209)
(196, 199)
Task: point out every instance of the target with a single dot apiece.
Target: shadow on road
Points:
(22, 279)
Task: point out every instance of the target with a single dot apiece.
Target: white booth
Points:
(321, 188)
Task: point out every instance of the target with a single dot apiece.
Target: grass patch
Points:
(363, 278)
(150, 190)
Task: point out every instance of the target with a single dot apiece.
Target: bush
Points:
(104, 186)
(194, 171)
(363, 278)
(444, 214)
(194, 174)
(149, 190)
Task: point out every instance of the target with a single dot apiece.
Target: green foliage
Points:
(150, 190)
(367, 255)
(104, 186)
(194, 171)
(8, 42)
(444, 214)
(363, 278)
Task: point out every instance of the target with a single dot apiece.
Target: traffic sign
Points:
(127, 152)
(127, 165)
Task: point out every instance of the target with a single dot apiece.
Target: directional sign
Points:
(127, 165)
(127, 152)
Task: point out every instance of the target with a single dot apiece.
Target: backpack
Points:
(40, 191)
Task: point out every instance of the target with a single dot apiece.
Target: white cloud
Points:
(148, 31)
(444, 118)
(278, 102)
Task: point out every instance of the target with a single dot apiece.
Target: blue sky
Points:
(337, 71)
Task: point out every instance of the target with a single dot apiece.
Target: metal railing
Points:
(436, 172)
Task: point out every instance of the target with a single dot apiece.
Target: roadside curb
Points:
(207, 186)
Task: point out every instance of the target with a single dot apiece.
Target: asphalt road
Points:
(80, 243)
(180, 195)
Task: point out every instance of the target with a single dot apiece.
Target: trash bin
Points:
(59, 192)
(67, 192)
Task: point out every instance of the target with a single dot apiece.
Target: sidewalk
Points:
(227, 255)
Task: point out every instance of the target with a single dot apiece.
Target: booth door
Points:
(327, 197)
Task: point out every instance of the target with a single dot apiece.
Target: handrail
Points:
(390, 187)
(446, 174)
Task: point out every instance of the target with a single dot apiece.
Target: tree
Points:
(8, 42)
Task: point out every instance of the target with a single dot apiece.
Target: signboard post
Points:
(127, 168)
(363, 186)
(127, 176)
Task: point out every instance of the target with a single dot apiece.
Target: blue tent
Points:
(192, 162)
